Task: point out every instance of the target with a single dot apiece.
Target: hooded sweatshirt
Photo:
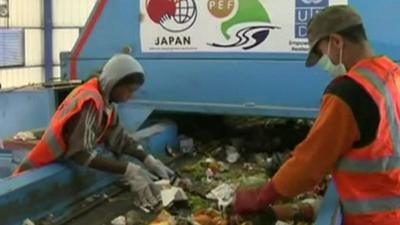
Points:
(114, 70)
(83, 129)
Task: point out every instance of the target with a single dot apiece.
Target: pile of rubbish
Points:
(218, 160)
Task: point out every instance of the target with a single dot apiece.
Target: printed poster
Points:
(268, 26)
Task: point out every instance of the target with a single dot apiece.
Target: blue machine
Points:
(227, 83)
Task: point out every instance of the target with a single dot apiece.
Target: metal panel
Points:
(51, 189)
(330, 213)
(22, 110)
(63, 40)
(249, 87)
(26, 13)
(133, 117)
(72, 12)
(34, 48)
(379, 18)
(15, 77)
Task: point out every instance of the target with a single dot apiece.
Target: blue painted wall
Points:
(23, 110)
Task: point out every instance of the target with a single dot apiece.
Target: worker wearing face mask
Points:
(356, 135)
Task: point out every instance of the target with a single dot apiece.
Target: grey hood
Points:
(116, 68)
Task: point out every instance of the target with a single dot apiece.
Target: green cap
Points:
(330, 20)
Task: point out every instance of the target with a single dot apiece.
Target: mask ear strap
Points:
(329, 45)
(341, 55)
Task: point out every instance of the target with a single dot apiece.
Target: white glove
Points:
(147, 194)
(158, 168)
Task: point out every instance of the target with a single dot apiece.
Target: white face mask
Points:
(326, 64)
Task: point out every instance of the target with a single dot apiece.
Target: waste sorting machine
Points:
(206, 57)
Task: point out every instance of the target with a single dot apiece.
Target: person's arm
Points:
(100, 163)
(333, 133)
(118, 140)
(81, 133)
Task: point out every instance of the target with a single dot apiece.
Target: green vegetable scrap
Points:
(197, 203)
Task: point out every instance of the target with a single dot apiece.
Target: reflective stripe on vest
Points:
(382, 164)
(51, 140)
(76, 99)
(371, 205)
(369, 166)
(26, 164)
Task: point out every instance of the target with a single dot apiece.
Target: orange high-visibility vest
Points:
(368, 178)
(52, 145)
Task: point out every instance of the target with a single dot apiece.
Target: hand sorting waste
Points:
(204, 189)
(147, 194)
(158, 168)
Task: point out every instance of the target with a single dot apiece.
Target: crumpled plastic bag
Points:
(25, 136)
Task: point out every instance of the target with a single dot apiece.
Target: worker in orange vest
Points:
(88, 117)
(356, 135)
